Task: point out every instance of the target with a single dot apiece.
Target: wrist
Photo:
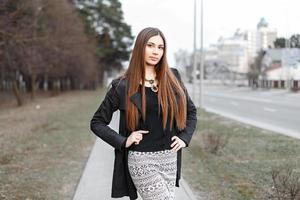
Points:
(127, 144)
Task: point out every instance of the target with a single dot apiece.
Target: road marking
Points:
(269, 109)
(234, 103)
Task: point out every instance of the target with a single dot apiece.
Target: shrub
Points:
(213, 142)
(286, 184)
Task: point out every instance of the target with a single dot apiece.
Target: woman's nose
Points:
(155, 50)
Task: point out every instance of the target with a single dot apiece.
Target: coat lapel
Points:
(136, 99)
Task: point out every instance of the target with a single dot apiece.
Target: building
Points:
(230, 58)
(262, 38)
(233, 52)
(265, 35)
(251, 39)
(281, 68)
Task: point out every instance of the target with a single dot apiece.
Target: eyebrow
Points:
(154, 44)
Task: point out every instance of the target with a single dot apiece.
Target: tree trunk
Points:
(56, 88)
(17, 93)
(33, 77)
(1, 79)
(68, 84)
(45, 83)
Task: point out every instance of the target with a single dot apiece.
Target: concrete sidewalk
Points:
(96, 180)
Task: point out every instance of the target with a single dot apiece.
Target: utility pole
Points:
(194, 53)
(202, 61)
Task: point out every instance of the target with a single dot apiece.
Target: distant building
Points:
(265, 35)
(183, 60)
(251, 39)
(240, 50)
(281, 68)
(212, 63)
(226, 61)
(230, 58)
(233, 52)
(260, 39)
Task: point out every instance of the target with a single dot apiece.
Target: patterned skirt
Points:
(153, 173)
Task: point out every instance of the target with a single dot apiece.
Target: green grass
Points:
(242, 170)
(43, 152)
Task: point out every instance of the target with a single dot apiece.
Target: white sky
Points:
(221, 18)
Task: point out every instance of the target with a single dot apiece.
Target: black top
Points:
(156, 139)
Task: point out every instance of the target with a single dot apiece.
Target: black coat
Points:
(122, 184)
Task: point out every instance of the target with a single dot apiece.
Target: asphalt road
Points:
(276, 109)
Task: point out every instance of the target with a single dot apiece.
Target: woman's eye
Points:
(162, 48)
(149, 45)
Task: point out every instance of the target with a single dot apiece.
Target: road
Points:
(275, 110)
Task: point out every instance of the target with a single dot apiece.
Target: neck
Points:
(150, 71)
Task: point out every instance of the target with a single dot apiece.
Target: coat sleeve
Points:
(191, 121)
(102, 117)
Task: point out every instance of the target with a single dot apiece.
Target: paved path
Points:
(96, 180)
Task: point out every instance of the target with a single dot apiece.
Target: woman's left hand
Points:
(177, 144)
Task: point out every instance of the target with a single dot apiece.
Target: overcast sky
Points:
(221, 18)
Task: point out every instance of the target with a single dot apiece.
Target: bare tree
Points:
(45, 42)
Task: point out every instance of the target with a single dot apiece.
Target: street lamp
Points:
(202, 60)
(195, 57)
(194, 53)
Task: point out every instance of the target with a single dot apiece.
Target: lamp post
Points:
(194, 53)
(202, 61)
(200, 86)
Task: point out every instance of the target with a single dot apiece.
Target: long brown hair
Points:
(171, 95)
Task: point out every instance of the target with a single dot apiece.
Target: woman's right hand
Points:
(135, 137)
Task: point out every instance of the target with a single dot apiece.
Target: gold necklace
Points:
(154, 88)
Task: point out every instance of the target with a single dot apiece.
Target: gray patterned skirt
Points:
(153, 173)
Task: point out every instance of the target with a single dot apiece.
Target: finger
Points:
(174, 138)
(139, 138)
(177, 147)
(173, 143)
(142, 131)
(137, 141)
(136, 138)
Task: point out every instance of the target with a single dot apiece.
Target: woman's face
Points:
(154, 50)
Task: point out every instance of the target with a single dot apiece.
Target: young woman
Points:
(157, 120)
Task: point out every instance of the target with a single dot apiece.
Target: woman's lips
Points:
(153, 58)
